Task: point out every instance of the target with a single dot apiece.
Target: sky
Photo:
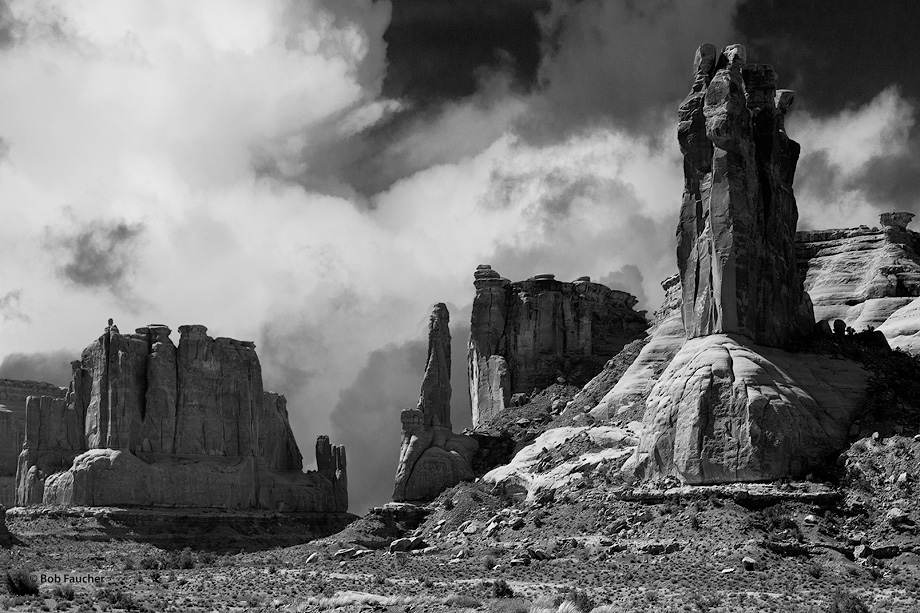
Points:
(314, 175)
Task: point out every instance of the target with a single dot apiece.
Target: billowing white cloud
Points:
(835, 186)
(145, 129)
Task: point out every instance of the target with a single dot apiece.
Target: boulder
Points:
(736, 236)
(527, 334)
(431, 457)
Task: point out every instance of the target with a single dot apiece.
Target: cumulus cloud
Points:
(856, 163)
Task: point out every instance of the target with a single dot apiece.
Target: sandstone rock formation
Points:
(146, 423)
(866, 277)
(721, 406)
(524, 335)
(736, 251)
(433, 458)
(13, 395)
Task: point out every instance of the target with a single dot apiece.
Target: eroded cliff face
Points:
(736, 238)
(524, 335)
(147, 423)
(432, 458)
(866, 277)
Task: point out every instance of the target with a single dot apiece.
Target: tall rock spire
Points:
(736, 238)
(434, 399)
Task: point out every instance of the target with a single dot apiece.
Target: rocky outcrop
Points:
(735, 246)
(866, 277)
(524, 335)
(146, 423)
(431, 457)
(728, 410)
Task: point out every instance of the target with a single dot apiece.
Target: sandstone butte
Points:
(147, 423)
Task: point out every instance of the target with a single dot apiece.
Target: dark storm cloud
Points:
(621, 62)
(98, 255)
(835, 54)
(366, 417)
(10, 306)
(49, 366)
(439, 50)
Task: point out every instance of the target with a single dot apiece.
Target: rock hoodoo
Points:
(433, 458)
(736, 238)
(866, 277)
(523, 335)
(146, 423)
(726, 407)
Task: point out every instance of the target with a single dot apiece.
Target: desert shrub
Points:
(118, 598)
(694, 520)
(581, 599)
(774, 519)
(63, 592)
(489, 562)
(426, 582)
(20, 582)
(380, 578)
(501, 589)
(815, 570)
(462, 601)
(513, 605)
(606, 608)
(843, 601)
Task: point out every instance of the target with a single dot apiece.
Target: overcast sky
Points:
(315, 175)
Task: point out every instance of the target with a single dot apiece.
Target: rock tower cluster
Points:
(147, 423)
(523, 335)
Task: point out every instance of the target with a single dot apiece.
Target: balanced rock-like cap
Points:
(895, 220)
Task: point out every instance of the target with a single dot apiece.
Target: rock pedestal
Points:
(524, 335)
(431, 457)
(736, 237)
(146, 423)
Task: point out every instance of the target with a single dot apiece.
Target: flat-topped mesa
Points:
(736, 236)
(431, 457)
(526, 334)
(146, 423)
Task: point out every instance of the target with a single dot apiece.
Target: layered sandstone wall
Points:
(523, 335)
(147, 423)
(866, 277)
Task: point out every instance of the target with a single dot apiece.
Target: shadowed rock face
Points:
(736, 237)
(524, 335)
(151, 424)
(431, 457)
